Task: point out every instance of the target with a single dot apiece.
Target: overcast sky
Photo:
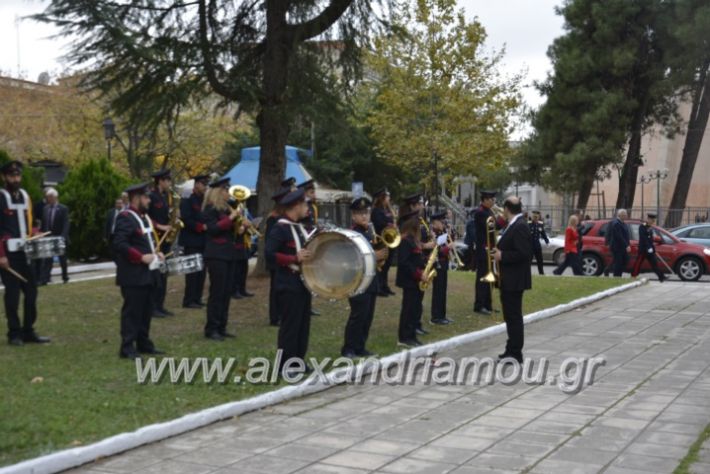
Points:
(525, 27)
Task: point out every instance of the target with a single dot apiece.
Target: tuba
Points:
(240, 194)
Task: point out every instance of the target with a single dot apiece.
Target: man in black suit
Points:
(55, 219)
(137, 269)
(619, 242)
(513, 256)
(159, 212)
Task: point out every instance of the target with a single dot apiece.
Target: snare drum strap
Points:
(26, 206)
(147, 230)
(296, 238)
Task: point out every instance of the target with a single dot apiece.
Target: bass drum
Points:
(343, 264)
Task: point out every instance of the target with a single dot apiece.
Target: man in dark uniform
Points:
(15, 226)
(647, 248)
(242, 246)
(619, 242)
(362, 306)
(284, 252)
(137, 270)
(289, 183)
(192, 240)
(110, 223)
(161, 202)
(440, 284)
(383, 218)
(483, 303)
(415, 203)
(274, 216)
(470, 240)
(513, 255)
(309, 189)
(537, 232)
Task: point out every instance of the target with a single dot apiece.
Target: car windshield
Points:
(699, 233)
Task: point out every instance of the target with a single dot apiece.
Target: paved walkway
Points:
(647, 406)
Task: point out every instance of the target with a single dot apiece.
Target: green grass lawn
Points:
(76, 390)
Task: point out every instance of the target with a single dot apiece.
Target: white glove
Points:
(442, 240)
(650, 250)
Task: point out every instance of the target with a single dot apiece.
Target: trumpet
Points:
(429, 269)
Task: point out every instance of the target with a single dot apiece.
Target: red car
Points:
(688, 261)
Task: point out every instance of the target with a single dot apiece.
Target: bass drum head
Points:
(342, 264)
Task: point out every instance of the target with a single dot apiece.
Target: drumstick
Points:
(43, 234)
(17, 275)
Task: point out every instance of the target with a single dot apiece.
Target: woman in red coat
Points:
(572, 257)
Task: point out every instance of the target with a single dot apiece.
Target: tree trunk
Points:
(585, 191)
(630, 171)
(693, 140)
(273, 125)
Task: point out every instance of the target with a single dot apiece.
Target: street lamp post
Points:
(109, 133)
(658, 175)
(644, 180)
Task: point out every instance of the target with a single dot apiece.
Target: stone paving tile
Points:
(648, 403)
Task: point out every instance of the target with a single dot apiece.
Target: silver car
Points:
(695, 233)
(553, 252)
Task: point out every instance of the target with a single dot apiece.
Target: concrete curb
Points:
(74, 457)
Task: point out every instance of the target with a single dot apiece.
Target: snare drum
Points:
(185, 264)
(45, 247)
(343, 264)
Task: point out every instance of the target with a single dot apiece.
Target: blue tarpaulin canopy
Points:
(246, 171)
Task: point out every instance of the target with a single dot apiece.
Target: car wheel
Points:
(689, 269)
(591, 265)
(558, 257)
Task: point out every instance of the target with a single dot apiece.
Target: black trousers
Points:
(652, 260)
(136, 314)
(571, 260)
(383, 274)
(483, 290)
(537, 256)
(46, 265)
(221, 280)
(438, 295)
(161, 286)
(194, 282)
(241, 269)
(512, 303)
(410, 313)
(621, 259)
(357, 329)
(295, 324)
(13, 286)
(274, 313)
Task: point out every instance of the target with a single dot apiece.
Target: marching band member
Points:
(276, 214)
(439, 286)
(647, 249)
(192, 240)
(362, 306)
(415, 203)
(242, 245)
(382, 218)
(137, 269)
(15, 225)
(483, 303)
(220, 255)
(284, 252)
(310, 222)
(161, 201)
(537, 232)
(410, 271)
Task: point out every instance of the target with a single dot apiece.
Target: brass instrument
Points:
(389, 239)
(240, 194)
(176, 225)
(497, 211)
(453, 254)
(492, 277)
(429, 270)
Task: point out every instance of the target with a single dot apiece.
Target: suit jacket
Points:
(129, 245)
(516, 246)
(60, 225)
(220, 234)
(619, 238)
(109, 224)
(410, 263)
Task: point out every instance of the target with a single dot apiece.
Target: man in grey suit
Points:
(55, 219)
(513, 256)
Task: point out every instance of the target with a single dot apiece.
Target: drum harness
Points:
(295, 268)
(147, 231)
(15, 244)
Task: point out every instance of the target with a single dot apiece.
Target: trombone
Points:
(240, 194)
(492, 277)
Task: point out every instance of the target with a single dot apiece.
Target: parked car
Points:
(689, 261)
(695, 233)
(553, 252)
